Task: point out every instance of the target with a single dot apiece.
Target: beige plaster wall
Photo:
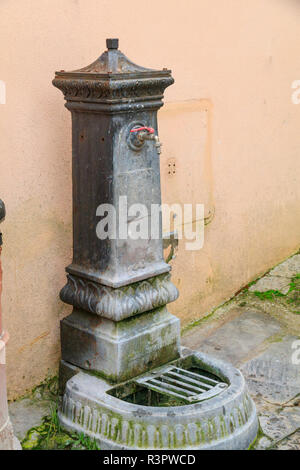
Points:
(236, 150)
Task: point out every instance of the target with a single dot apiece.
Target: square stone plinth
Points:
(120, 350)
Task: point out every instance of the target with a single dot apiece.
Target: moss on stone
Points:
(268, 295)
(50, 436)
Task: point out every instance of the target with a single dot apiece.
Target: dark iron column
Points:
(119, 285)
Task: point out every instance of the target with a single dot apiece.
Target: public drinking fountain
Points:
(124, 378)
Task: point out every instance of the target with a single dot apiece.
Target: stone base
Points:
(66, 372)
(8, 441)
(118, 351)
(226, 421)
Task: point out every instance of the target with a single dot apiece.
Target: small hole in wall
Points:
(102, 139)
(87, 364)
(81, 137)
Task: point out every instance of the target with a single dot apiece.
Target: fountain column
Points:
(119, 283)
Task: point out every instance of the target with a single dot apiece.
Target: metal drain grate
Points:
(182, 384)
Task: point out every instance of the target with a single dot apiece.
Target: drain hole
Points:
(170, 386)
(139, 395)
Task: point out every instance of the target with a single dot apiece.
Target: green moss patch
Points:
(268, 295)
(50, 436)
(291, 299)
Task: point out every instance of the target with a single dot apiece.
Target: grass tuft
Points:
(50, 436)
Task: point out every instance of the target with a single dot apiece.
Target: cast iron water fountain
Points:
(124, 378)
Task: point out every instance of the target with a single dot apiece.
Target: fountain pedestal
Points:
(118, 281)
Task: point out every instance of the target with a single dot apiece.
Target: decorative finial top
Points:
(112, 43)
(113, 78)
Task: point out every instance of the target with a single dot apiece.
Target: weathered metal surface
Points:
(225, 421)
(120, 350)
(175, 381)
(118, 304)
(114, 105)
(108, 99)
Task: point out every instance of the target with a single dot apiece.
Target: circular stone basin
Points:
(123, 416)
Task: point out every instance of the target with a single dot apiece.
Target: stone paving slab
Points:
(263, 443)
(235, 340)
(277, 395)
(257, 339)
(278, 424)
(288, 268)
(290, 443)
(272, 374)
(278, 278)
(27, 413)
(267, 283)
